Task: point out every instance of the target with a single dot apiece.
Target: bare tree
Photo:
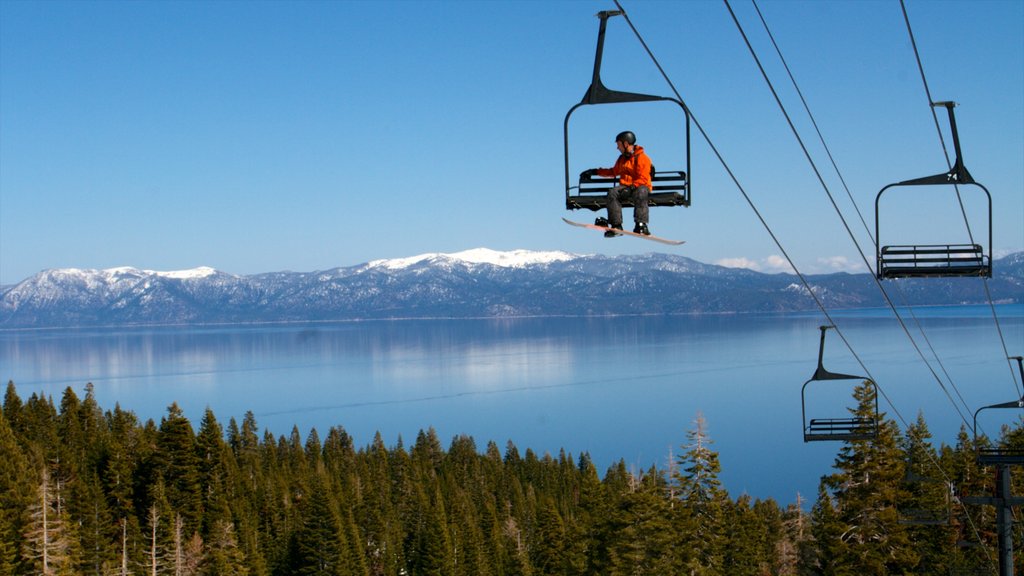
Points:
(188, 554)
(123, 570)
(47, 543)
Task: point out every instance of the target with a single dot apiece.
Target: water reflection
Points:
(614, 387)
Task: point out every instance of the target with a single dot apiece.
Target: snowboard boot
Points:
(612, 233)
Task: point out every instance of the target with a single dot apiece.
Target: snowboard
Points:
(624, 232)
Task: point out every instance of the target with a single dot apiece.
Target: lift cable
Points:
(845, 225)
(806, 284)
(849, 194)
(842, 180)
(945, 152)
(768, 228)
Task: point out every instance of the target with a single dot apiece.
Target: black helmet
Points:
(627, 137)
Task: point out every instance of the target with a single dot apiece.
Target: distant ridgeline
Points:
(94, 491)
(476, 283)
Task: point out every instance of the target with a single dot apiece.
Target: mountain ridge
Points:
(473, 283)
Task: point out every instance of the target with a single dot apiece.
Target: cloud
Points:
(839, 264)
(738, 263)
(769, 265)
(775, 264)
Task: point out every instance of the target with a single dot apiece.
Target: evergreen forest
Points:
(94, 491)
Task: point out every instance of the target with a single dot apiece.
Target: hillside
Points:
(474, 283)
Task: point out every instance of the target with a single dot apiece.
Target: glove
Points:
(589, 173)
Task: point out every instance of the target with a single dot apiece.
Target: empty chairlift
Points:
(1001, 458)
(1001, 455)
(670, 188)
(935, 260)
(836, 429)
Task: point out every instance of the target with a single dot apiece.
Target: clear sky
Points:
(267, 136)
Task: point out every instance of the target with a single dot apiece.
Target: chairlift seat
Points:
(946, 260)
(671, 188)
(997, 456)
(841, 429)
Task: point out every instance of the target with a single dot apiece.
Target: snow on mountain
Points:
(510, 259)
(193, 274)
(473, 283)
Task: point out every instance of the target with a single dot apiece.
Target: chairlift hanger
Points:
(837, 429)
(670, 188)
(936, 260)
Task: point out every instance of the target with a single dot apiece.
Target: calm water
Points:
(625, 388)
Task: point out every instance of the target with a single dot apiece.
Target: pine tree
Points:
(435, 556)
(15, 490)
(37, 421)
(549, 554)
(639, 533)
(375, 513)
(865, 487)
(925, 500)
(824, 555)
(216, 468)
(703, 498)
(249, 480)
(177, 463)
(12, 408)
(120, 465)
(318, 547)
(97, 529)
(223, 557)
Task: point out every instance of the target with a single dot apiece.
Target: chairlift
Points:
(836, 429)
(669, 188)
(936, 260)
(1001, 456)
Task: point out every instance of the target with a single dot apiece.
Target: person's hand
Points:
(589, 173)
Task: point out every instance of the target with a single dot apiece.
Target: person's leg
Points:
(640, 208)
(615, 206)
(641, 194)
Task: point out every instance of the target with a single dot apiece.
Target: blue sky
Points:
(267, 136)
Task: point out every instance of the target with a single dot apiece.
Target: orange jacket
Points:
(632, 170)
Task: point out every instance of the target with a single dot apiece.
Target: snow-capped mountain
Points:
(473, 283)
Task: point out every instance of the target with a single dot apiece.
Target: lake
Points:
(618, 387)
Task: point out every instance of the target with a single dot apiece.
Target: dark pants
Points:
(638, 194)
